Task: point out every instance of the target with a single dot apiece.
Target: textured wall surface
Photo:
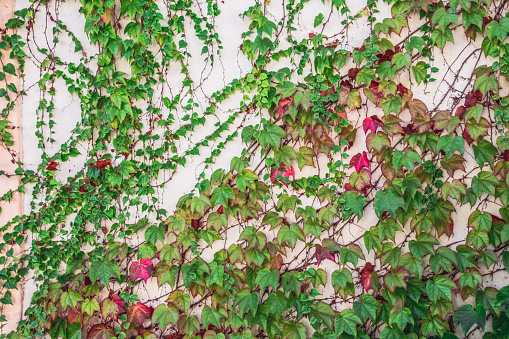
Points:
(233, 65)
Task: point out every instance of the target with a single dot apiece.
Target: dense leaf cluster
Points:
(278, 242)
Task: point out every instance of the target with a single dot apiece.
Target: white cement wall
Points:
(232, 64)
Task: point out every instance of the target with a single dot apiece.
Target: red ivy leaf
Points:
(494, 218)
(116, 299)
(346, 84)
(467, 137)
(220, 210)
(401, 89)
(371, 123)
(283, 105)
(366, 280)
(472, 98)
(365, 274)
(367, 267)
(505, 155)
(460, 111)
(359, 161)
(143, 269)
(74, 316)
(322, 253)
(352, 73)
(138, 313)
(101, 164)
(52, 166)
(195, 223)
(374, 86)
(289, 171)
(101, 331)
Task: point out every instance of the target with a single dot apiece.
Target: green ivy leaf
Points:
(70, 299)
(199, 204)
(366, 307)
(406, 158)
(386, 70)
(221, 195)
(453, 189)
(212, 316)
(74, 331)
(286, 203)
(346, 322)
(246, 179)
(352, 254)
(415, 42)
(154, 233)
(484, 182)
(365, 75)
(89, 306)
(10, 69)
(389, 201)
(246, 301)
(286, 89)
(323, 313)
(478, 239)
(401, 60)
(318, 19)
(290, 234)
(441, 37)
(58, 329)
(126, 167)
(420, 71)
(486, 83)
(276, 303)
(467, 317)
(443, 18)
(267, 278)
(254, 238)
(444, 258)
(305, 157)
(449, 144)
(498, 29)
(434, 325)
(353, 203)
(392, 333)
(164, 315)
(271, 135)
(400, 317)
(484, 151)
(440, 286)
(391, 103)
(102, 269)
(340, 278)
(480, 221)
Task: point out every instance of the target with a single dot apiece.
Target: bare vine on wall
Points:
(369, 198)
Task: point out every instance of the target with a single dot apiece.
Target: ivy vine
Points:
(369, 197)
